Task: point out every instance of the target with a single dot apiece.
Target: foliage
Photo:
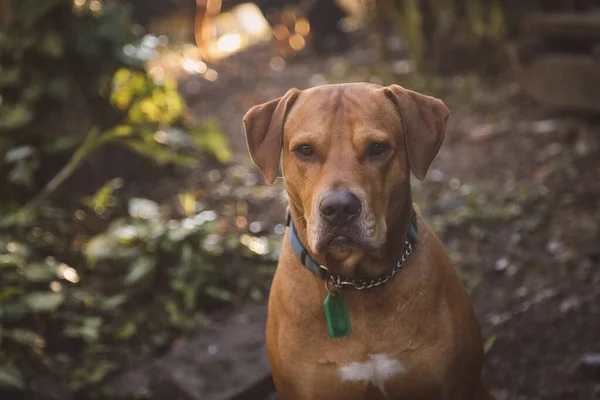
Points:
(129, 108)
(75, 274)
(90, 289)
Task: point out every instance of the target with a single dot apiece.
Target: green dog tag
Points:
(336, 315)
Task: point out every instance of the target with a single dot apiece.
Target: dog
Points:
(365, 302)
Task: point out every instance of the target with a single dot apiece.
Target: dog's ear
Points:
(424, 120)
(263, 125)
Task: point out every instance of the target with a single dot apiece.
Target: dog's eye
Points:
(305, 150)
(377, 149)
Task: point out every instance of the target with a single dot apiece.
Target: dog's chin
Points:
(341, 245)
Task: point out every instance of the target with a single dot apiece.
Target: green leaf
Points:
(121, 131)
(52, 45)
(113, 302)
(115, 243)
(20, 218)
(92, 373)
(102, 198)
(210, 138)
(89, 331)
(140, 269)
(143, 208)
(87, 328)
(489, 343)
(8, 292)
(100, 371)
(10, 260)
(15, 117)
(218, 293)
(125, 331)
(176, 317)
(22, 173)
(159, 153)
(63, 143)
(9, 77)
(19, 153)
(26, 337)
(11, 378)
(43, 301)
(39, 272)
(99, 248)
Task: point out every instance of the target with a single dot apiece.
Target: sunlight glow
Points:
(211, 75)
(95, 5)
(55, 286)
(251, 19)
(258, 245)
(229, 43)
(193, 66)
(68, 273)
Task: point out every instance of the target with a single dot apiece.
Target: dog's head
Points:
(346, 153)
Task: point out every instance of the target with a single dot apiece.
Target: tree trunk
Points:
(5, 14)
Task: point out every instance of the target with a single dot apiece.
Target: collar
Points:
(337, 281)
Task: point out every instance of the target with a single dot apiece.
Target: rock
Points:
(590, 362)
(564, 81)
(568, 304)
(501, 264)
(221, 363)
(483, 131)
(575, 26)
(544, 126)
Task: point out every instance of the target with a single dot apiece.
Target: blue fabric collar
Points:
(316, 268)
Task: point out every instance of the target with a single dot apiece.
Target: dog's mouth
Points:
(341, 242)
(354, 237)
(335, 241)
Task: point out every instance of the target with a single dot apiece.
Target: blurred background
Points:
(137, 240)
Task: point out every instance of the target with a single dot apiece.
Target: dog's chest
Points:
(378, 376)
(376, 370)
(367, 370)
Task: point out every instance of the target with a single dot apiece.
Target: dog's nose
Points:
(339, 207)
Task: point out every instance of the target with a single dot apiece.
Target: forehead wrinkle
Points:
(337, 110)
(338, 113)
(369, 118)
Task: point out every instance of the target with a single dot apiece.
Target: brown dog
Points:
(365, 303)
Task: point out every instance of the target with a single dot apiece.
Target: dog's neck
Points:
(356, 264)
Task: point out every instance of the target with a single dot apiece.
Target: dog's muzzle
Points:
(340, 223)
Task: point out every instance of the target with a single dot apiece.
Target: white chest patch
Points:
(376, 370)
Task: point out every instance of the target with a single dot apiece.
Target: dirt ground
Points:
(514, 194)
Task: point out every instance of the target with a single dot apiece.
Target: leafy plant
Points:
(74, 275)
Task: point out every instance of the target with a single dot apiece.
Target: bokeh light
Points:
(297, 42)
(229, 43)
(302, 27)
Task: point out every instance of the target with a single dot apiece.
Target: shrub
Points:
(93, 283)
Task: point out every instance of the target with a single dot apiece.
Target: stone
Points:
(591, 362)
(574, 26)
(223, 362)
(563, 81)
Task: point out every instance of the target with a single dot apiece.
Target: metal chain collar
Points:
(337, 282)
